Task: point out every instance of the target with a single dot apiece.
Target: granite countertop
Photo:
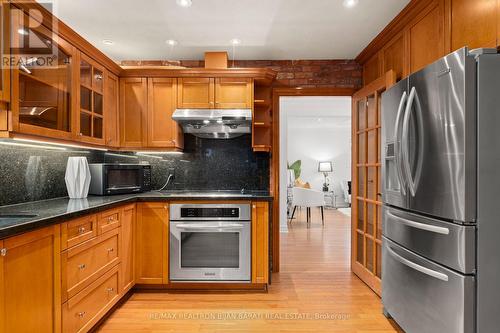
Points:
(53, 211)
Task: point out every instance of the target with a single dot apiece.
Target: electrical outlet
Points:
(171, 171)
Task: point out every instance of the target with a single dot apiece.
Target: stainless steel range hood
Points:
(214, 123)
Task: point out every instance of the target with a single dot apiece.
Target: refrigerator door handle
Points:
(417, 267)
(413, 183)
(421, 226)
(397, 147)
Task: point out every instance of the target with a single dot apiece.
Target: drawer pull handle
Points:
(110, 290)
(111, 249)
(81, 314)
(417, 267)
(82, 267)
(3, 252)
(421, 226)
(110, 219)
(81, 230)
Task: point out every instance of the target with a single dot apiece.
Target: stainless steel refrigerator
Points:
(441, 194)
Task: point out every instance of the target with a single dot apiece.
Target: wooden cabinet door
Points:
(233, 93)
(162, 101)
(5, 49)
(111, 102)
(260, 242)
(195, 93)
(30, 282)
(366, 241)
(127, 248)
(426, 39)
(133, 108)
(91, 98)
(152, 243)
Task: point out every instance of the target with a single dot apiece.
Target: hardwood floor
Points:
(314, 292)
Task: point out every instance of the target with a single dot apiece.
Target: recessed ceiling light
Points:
(171, 42)
(22, 31)
(350, 3)
(184, 3)
(235, 41)
(108, 42)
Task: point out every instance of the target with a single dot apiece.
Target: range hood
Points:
(214, 123)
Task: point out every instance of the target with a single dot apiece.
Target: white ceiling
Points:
(268, 29)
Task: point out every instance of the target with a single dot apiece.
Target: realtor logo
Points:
(31, 41)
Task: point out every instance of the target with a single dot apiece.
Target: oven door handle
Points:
(225, 226)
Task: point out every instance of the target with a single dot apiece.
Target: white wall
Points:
(315, 129)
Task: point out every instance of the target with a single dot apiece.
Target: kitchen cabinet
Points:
(127, 248)
(233, 93)
(162, 131)
(5, 48)
(90, 118)
(111, 102)
(43, 99)
(30, 290)
(196, 93)
(152, 243)
(78, 230)
(393, 57)
(218, 93)
(260, 242)
(133, 108)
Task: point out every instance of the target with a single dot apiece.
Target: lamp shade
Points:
(325, 167)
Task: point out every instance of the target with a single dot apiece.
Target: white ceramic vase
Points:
(77, 177)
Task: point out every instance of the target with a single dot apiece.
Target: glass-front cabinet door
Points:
(42, 100)
(91, 96)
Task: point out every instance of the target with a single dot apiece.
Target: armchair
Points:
(308, 198)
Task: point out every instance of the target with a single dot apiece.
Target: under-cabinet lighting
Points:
(59, 144)
(120, 155)
(159, 152)
(17, 144)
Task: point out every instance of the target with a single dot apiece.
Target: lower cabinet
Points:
(87, 307)
(260, 242)
(152, 243)
(127, 248)
(30, 290)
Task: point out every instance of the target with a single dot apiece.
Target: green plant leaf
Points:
(296, 167)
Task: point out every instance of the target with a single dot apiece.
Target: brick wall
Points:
(303, 73)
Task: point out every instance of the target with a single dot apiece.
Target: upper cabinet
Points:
(233, 93)
(196, 93)
(162, 131)
(90, 119)
(111, 102)
(5, 49)
(42, 96)
(133, 108)
(218, 93)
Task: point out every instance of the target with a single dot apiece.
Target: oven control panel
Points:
(179, 212)
(210, 212)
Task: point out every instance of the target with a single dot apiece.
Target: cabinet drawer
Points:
(86, 308)
(83, 264)
(78, 231)
(109, 220)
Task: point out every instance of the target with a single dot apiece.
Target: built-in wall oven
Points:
(210, 242)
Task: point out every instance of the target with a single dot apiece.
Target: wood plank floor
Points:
(314, 292)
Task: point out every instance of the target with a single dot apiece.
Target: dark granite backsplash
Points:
(32, 173)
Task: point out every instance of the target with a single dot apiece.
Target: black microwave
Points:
(114, 178)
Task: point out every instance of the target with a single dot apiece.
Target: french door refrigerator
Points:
(441, 193)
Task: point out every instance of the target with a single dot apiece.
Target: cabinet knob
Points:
(110, 219)
(82, 267)
(3, 252)
(81, 230)
(81, 314)
(110, 290)
(110, 250)
(166, 207)
(254, 206)
(80, 134)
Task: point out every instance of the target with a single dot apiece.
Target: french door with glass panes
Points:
(366, 243)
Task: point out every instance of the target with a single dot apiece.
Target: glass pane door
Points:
(91, 99)
(210, 249)
(367, 202)
(44, 76)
